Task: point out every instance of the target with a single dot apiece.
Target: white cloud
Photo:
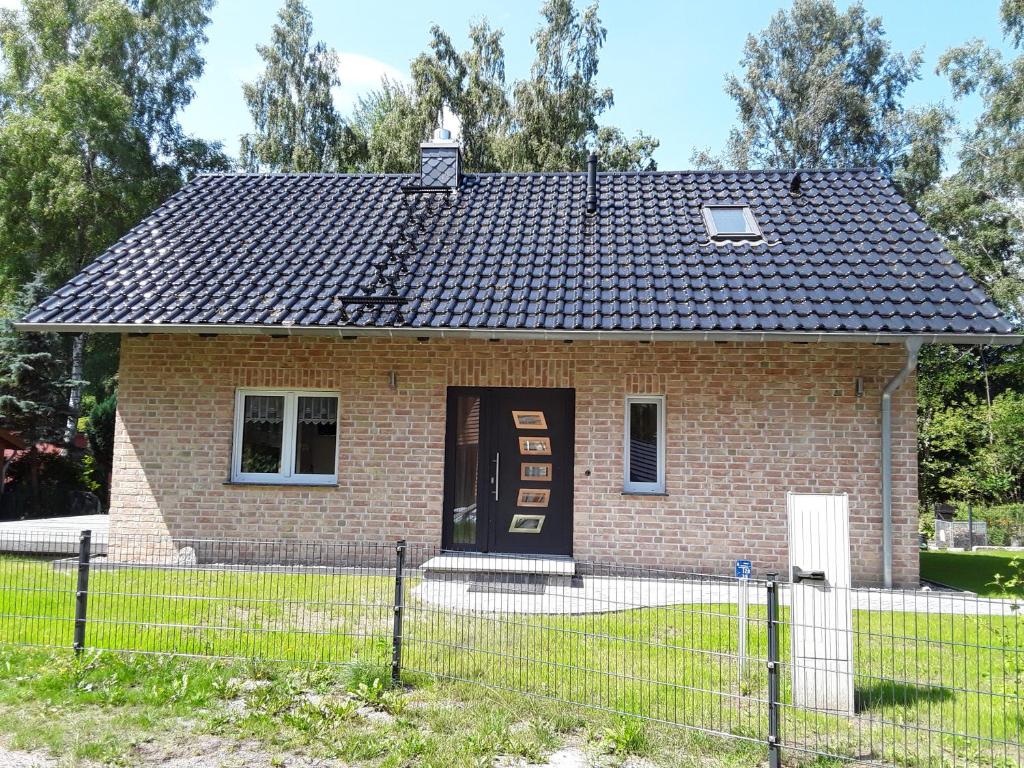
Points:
(359, 75)
(15, 4)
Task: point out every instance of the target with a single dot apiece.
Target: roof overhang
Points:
(807, 337)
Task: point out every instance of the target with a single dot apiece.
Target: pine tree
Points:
(34, 382)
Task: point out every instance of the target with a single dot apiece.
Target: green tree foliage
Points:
(556, 109)
(822, 87)
(547, 121)
(33, 374)
(100, 431)
(297, 127)
(975, 450)
(389, 127)
(981, 230)
(394, 119)
(472, 85)
(89, 139)
(993, 152)
(969, 401)
(90, 91)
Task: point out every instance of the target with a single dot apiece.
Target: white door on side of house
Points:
(821, 607)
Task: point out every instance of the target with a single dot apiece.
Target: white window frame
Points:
(289, 439)
(627, 485)
(748, 215)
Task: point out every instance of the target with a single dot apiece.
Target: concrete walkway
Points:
(606, 595)
(54, 535)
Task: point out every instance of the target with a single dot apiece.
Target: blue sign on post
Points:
(743, 569)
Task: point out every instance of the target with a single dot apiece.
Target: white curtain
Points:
(268, 409)
(318, 410)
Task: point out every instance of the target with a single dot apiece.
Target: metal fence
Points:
(809, 671)
(961, 533)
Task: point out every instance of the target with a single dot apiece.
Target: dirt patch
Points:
(12, 758)
(215, 752)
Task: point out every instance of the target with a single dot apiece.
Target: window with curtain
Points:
(285, 436)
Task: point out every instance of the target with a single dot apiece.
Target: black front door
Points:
(508, 470)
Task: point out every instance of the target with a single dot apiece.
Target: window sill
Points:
(645, 493)
(279, 484)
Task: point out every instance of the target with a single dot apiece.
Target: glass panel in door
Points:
(467, 465)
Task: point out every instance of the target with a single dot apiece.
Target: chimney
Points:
(440, 161)
(592, 183)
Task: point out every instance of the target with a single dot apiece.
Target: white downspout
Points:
(913, 347)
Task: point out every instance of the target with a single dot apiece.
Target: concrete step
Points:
(473, 566)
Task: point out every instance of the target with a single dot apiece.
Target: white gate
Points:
(820, 616)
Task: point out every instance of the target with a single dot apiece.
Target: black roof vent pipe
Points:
(592, 183)
(794, 183)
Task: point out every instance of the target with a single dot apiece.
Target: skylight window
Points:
(731, 222)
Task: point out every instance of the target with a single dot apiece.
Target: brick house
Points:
(633, 367)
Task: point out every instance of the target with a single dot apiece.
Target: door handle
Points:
(799, 574)
(497, 473)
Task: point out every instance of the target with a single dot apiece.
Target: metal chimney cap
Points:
(442, 134)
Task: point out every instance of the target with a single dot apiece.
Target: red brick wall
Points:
(746, 422)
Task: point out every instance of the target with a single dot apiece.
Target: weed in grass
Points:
(316, 720)
(489, 737)
(377, 696)
(412, 746)
(532, 740)
(627, 737)
(565, 720)
(364, 672)
(824, 762)
(361, 744)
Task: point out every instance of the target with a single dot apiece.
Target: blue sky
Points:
(665, 60)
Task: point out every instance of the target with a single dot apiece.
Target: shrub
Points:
(100, 430)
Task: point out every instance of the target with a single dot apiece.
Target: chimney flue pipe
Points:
(592, 183)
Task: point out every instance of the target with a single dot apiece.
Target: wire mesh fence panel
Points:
(888, 678)
(37, 601)
(656, 644)
(270, 600)
(936, 679)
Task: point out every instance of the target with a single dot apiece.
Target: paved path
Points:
(53, 535)
(605, 595)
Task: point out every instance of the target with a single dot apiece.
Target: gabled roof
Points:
(517, 253)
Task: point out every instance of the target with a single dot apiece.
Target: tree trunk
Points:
(75, 397)
(5, 464)
(988, 398)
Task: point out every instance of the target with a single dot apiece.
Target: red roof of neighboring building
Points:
(11, 442)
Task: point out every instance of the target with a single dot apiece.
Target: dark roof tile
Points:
(518, 251)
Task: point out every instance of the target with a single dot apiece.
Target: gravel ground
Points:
(12, 758)
(214, 752)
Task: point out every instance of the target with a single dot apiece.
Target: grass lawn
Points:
(122, 710)
(973, 571)
(917, 675)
